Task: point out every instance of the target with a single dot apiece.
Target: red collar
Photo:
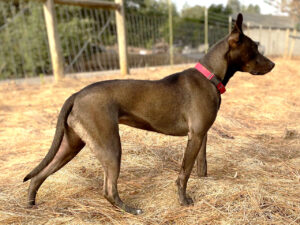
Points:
(212, 77)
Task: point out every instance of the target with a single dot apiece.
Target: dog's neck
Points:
(217, 62)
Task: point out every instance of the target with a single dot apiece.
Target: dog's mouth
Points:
(262, 72)
(258, 72)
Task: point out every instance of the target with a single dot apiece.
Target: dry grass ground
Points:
(253, 158)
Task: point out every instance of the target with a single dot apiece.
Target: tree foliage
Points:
(291, 7)
(23, 49)
(195, 12)
(236, 7)
(253, 9)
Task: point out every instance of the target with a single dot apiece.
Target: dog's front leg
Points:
(201, 159)
(188, 162)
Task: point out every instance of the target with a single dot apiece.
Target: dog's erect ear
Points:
(237, 32)
(239, 22)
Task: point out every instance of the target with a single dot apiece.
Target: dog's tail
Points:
(59, 133)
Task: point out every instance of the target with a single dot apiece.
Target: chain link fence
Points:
(89, 39)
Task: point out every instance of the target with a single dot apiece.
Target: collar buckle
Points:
(221, 88)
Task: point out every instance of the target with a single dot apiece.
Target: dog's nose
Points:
(271, 65)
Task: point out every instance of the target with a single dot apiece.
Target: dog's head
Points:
(243, 52)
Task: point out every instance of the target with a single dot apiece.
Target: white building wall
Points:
(275, 41)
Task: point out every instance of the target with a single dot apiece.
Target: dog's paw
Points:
(30, 206)
(186, 201)
(139, 211)
(202, 173)
(133, 211)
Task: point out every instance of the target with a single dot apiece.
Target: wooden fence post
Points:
(248, 29)
(122, 40)
(260, 33)
(54, 42)
(292, 44)
(286, 44)
(206, 30)
(270, 52)
(229, 24)
(171, 32)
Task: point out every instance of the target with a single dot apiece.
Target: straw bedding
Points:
(253, 158)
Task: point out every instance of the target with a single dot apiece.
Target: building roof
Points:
(280, 22)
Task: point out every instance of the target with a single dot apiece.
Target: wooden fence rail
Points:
(90, 4)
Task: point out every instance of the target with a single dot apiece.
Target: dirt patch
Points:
(253, 158)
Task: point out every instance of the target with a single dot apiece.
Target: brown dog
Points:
(181, 104)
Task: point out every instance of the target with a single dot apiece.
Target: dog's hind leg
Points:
(69, 148)
(109, 153)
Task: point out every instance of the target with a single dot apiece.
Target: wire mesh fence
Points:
(218, 27)
(89, 39)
